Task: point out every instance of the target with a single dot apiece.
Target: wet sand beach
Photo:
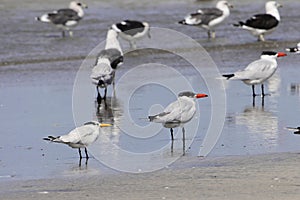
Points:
(273, 176)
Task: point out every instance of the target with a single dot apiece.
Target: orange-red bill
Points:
(281, 54)
(201, 96)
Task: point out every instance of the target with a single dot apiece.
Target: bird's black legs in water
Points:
(253, 91)
(80, 156)
(262, 96)
(79, 151)
(172, 136)
(172, 146)
(63, 34)
(86, 156)
(86, 153)
(99, 98)
(183, 140)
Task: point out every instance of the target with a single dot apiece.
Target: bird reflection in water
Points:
(261, 124)
(109, 110)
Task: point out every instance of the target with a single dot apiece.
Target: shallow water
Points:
(38, 70)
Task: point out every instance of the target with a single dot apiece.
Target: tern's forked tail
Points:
(228, 76)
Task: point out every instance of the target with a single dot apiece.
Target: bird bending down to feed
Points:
(131, 31)
(262, 24)
(107, 61)
(65, 19)
(258, 71)
(80, 137)
(294, 49)
(178, 112)
(208, 18)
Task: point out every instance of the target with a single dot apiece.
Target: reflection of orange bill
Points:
(105, 125)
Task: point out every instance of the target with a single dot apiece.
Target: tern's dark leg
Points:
(99, 98)
(172, 146)
(105, 92)
(262, 101)
(79, 151)
(262, 90)
(253, 91)
(172, 136)
(253, 101)
(183, 140)
(208, 34)
(86, 153)
(63, 34)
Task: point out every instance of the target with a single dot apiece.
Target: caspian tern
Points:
(108, 60)
(179, 112)
(131, 30)
(262, 24)
(80, 137)
(208, 18)
(294, 49)
(258, 71)
(66, 18)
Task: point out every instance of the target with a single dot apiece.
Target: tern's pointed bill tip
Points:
(105, 125)
(201, 96)
(281, 54)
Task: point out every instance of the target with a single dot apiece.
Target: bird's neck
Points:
(77, 9)
(271, 10)
(225, 10)
(268, 58)
(112, 41)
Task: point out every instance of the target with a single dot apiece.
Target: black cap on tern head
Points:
(270, 53)
(187, 94)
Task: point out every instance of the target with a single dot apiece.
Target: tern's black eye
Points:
(79, 4)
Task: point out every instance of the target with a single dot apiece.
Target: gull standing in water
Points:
(258, 71)
(108, 60)
(80, 137)
(262, 24)
(65, 19)
(208, 18)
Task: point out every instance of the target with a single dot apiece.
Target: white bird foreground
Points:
(179, 112)
(80, 137)
(107, 61)
(208, 18)
(262, 24)
(66, 18)
(258, 71)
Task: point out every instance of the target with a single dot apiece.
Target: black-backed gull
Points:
(131, 30)
(65, 19)
(262, 24)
